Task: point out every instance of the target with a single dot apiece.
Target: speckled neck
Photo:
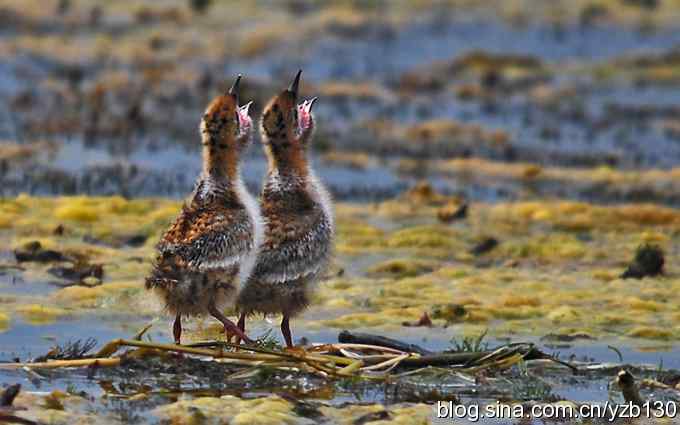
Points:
(287, 161)
(220, 164)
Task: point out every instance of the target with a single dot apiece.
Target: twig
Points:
(138, 336)
(315, 361)
(351, 368)
(502, 363)
(450, 359)
(390, 364)
(116, 344)
(617, 351)
(362, 338)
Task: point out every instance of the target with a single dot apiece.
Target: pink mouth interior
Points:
(304, 115)
(245, 122)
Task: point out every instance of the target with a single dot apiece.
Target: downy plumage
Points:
(297, 212)
(212, 245)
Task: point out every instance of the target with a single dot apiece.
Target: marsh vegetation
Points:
(505, 172)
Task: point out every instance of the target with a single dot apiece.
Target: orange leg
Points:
(229, 327)
(241, 325)
(242, 322)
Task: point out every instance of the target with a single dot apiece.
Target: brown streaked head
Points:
(285, 123)
(225, 124)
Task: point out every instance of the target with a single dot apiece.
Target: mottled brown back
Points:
(212, 231)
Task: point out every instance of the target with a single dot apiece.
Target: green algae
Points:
(543, 273)
(357, 236)
(37, 314)
(422, 237)
(4, 321)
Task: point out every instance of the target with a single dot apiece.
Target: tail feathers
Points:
(168, 271)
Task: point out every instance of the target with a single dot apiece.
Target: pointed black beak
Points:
(311, 102)
(234, 87)
(295, 84)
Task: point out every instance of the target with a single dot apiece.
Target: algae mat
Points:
(552, 275)
(554, 267)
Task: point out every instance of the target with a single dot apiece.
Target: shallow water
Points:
(25, 341)
(540, 248)
(385, 56)
(154, 164)
(172, 172)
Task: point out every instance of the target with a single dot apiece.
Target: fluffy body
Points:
(297, 247)
(298, 217)
(208, 250)
(212, 245)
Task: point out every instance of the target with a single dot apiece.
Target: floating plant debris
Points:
(78, 273)
(8, 395)
(33, 251)
(415, 376)
(484, 246)
(72, 350)
(649, 261)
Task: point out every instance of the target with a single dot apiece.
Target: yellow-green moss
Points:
(422, 237)
(78, 209)
(651, 332)
(38, 314)
(564, 314)
(84, 297)
(635, 303)
(548, 247)
(356, 236)
(275, 410)
(4, 321)
(518, 300)
(542, 275)
(229, 409)
(403, 267)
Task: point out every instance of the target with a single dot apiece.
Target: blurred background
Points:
(506, 170)
(488, 100)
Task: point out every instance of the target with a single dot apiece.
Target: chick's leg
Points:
(177, 328)
(229, 326)
(241, 325)
(285, 330)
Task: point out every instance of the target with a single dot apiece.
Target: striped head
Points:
(226, 131)
(286, 126)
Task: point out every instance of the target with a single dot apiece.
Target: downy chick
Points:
(297, 212)
(212, 245)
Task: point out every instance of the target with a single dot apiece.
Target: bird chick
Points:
(211, 246)
(297, 212)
